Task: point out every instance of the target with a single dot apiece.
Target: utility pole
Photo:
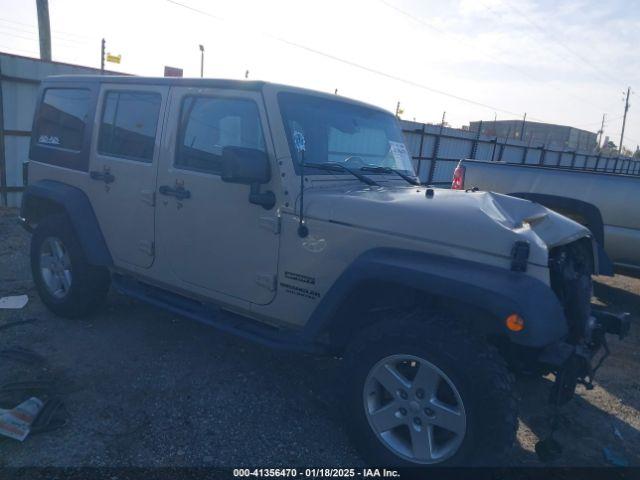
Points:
(102, 54)
(44, 29)
(524, 121)
(201, 61)
(397, 108)
(624, 118)
(601, 131)
(444, 114)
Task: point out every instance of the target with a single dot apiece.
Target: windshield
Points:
(338, 132)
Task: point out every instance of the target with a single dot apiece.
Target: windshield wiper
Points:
(378, 169)
(338, 167)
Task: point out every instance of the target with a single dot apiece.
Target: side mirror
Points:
(247, 166)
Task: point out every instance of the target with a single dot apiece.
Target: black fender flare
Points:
(36, 200)
(586, 210)
(500, 292)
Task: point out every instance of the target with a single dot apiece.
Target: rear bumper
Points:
(577, 364)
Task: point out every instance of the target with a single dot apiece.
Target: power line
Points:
(22, 50)
(637, 142)
(591, 124)
(31, 32)
(31, 39)
(360, 66)
(555, 39)
(512, 67)
(34, 28)
(33, 36)
(15, 35)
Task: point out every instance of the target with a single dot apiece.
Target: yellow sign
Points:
(113, 58)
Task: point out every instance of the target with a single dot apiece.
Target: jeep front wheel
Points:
(67, 284)
(424, 392)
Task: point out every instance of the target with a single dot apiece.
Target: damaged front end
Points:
(574, 361)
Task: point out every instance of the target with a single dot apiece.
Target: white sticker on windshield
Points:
(298, 141)
(399, 152)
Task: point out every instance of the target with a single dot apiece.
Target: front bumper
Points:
(576, 364)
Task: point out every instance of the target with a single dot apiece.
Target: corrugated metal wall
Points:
(436, 150)
(19, 81)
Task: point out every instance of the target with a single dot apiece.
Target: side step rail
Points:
(211, 315)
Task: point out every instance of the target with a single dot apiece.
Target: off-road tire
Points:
(89, 285)
(473, 365)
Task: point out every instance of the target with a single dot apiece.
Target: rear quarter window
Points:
(62, 118)
(62, 125)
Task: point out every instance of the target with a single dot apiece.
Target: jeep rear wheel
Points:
(67, 284)
(425, 392)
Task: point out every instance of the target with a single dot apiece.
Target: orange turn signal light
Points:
(515, 322)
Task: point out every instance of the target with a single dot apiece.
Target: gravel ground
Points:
(143, 387)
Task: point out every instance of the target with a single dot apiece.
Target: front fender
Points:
(590, 213)
(494, 290)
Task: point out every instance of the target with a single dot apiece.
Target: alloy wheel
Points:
(414, 409)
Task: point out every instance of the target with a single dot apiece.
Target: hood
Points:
(481, 221)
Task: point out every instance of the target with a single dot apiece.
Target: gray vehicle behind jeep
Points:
(293, 218)
(601, 197)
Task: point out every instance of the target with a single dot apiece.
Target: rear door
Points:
(123, 168)
(208, 233)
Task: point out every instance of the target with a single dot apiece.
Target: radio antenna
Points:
(299, 142)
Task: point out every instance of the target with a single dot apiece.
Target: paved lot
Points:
(145, 388)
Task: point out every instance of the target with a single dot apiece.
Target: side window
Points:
(207, 125)
(62, 118)
(129, 123)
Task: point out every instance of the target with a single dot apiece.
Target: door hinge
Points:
(148, 247)
(271, 223)
(267, 281)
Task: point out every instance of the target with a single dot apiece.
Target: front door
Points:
(208, 233)
(123, 169)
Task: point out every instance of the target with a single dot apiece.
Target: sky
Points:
(558, 61)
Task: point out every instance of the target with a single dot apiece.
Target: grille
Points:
(571, 268)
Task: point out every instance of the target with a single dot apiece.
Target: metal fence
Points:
(436, 150)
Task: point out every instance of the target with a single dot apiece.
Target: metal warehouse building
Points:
(548, 134)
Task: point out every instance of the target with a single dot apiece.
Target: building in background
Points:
(535, 133)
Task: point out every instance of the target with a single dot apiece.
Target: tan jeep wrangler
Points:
(293, 218)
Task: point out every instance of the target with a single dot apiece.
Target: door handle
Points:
(179, 192)
(106, 177)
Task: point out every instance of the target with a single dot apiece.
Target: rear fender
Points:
(47, 196)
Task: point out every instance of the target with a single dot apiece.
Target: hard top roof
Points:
(178, 81)
(255, 85)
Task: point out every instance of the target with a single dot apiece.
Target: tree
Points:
(609, 148)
